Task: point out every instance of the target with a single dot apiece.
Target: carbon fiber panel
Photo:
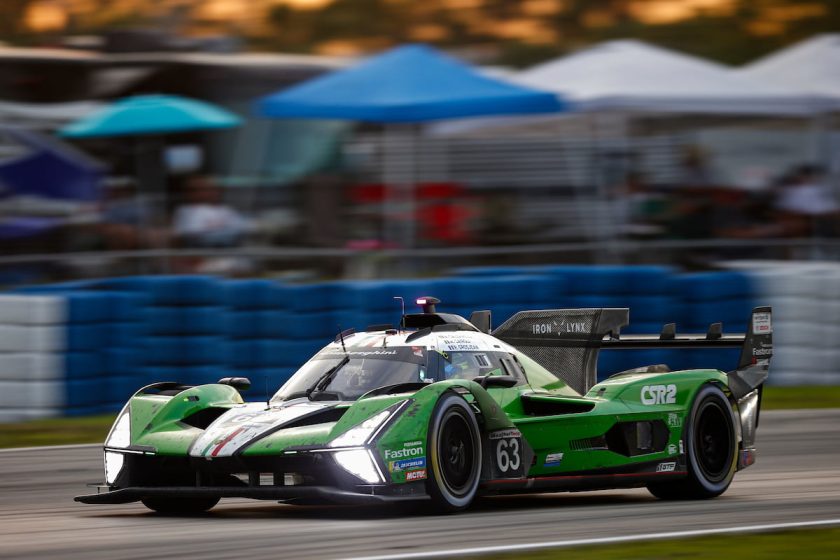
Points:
(564, 341)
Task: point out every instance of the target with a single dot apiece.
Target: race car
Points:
(445, 409)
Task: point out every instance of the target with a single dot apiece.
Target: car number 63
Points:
(508, 456)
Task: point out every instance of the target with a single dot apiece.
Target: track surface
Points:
(796, 479)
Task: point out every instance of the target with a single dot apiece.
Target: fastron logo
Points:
(659, 394)
(404, 453)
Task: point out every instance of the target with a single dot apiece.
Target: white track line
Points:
(600, 540)
(50, 447)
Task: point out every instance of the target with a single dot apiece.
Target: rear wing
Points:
(567, 342)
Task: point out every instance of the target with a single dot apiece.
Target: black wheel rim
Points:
(713, 442)
(456, 453)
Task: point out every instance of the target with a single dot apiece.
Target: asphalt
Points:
(796, 479)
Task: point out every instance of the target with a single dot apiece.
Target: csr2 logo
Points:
(659, 394)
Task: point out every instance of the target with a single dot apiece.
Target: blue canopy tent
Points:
(44, 169)
(409, 84)
(48, 168)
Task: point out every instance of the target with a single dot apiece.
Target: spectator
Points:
(126, 219)
(805, 205)
(205, 221)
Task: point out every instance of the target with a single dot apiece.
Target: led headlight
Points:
(118, 437)
(358, 462)
(360, 434)
(113, 465)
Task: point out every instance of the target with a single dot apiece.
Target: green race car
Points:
(440, 409)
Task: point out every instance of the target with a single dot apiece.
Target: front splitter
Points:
(279, 493)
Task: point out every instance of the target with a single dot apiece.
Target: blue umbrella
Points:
(151, 114)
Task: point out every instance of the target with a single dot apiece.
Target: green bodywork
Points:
(157, 421)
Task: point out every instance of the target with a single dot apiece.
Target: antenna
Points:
(402, 305)
(341, 337)
(267, 396)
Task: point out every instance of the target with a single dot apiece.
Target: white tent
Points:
(809, 67)
(630, 78)
(628, 75)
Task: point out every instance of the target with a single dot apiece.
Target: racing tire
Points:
(711, 450)
(175, 506)
(454, 445)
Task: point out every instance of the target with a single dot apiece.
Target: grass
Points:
(813, 544)
(93, 429)
(56, 431)
(778, 398)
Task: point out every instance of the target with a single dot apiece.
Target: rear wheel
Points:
(711, 450)
(179, 505)
(454, 446)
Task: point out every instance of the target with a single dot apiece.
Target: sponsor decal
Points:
(559, 327)
(410, 449)
(674, 420)
(504, 434)
(659, 394)
(762, 324)
(672, 449)
(553, 460)
(666, 467)
(419, 474)
(682, 451)
(407, 464)
(457, 344)
(762, 352)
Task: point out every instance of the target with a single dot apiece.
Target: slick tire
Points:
(711, 449)
(176, 506)
(454, 445)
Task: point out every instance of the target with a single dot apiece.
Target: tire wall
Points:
(84, 347)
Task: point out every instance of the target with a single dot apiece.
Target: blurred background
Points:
(197, 188)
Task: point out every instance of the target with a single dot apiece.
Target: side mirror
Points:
(504, 381)
(238, 383)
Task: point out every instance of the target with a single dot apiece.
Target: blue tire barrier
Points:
(185, 350)
(86, 336)
(256, 324)
(253, 295)
(84, 365)
(197, 329)
(195, 320)
(712, 286)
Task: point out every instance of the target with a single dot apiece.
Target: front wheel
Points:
(179, 505)
(454, 446)
(712, 450)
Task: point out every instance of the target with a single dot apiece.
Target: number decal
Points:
(507, 455)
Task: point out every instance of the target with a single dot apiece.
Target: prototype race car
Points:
(440, 409)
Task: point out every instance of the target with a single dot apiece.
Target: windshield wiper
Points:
(320, 383)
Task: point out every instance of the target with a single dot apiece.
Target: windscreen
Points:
(336, 375)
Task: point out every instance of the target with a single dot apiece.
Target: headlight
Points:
(358, 462)
(118, 437)
(360, 434)
(113, 466)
